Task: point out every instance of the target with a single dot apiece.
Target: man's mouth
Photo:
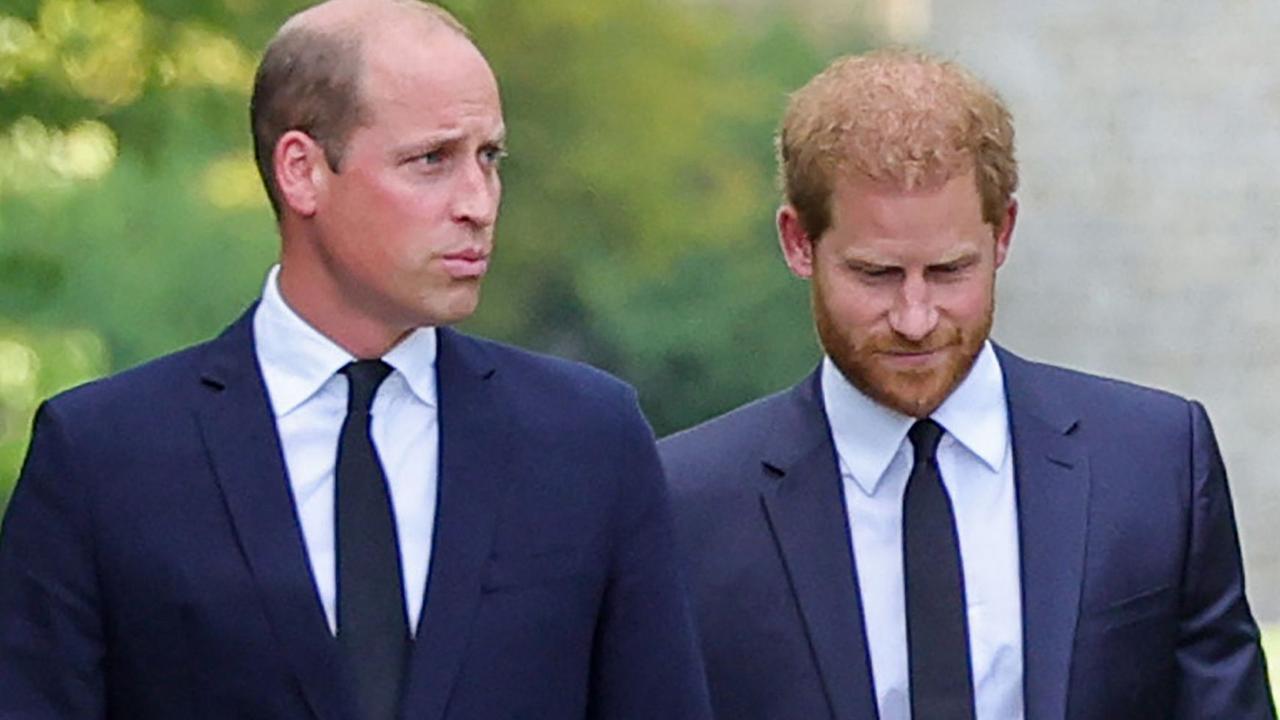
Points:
(466, 263)
(913, 357)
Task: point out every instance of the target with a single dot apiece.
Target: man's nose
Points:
(476, 196)
(914, 315)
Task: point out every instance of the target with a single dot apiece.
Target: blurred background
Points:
(637, 223)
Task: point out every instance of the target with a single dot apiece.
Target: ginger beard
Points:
(861, 356)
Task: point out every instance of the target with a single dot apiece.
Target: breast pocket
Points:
(514, 571)
(1135, 608)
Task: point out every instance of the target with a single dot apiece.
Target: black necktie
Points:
(372, 632)
(937, 631)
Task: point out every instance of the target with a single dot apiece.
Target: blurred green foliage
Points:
(636, 229)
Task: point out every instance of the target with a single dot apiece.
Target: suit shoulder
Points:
(148, 383)
(1125, 410)
(135, 412)
(724, 449)
(552, 378)
(1089, 386)
(744, 426)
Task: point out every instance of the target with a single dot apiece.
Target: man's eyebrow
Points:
(426, 143)
(865, 263)
(962, 258)
(443, 139)
(868, 258)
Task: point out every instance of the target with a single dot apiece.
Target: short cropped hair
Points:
(898, 117)
(309, 80)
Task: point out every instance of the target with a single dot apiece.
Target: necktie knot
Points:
(925, 436)
(364, 377)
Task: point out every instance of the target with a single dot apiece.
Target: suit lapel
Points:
(1052, 479)
(240, 437)
(475, 450)
(806, 513)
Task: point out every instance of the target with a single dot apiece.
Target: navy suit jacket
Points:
(1132, 588)
(151, 564)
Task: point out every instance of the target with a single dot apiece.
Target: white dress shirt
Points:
(975, 459)
(309, 399)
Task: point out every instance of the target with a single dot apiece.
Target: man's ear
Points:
(797, 246)
(1004, 233)
(300, 168)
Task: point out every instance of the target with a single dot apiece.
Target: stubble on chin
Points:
(915, 393)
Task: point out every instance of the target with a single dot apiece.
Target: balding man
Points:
(930, 527)
(340, 508)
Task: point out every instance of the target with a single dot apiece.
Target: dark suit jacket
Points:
(151, 565)
(1132, 589)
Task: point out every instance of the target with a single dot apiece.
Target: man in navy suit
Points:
(340, 508)
(930, 526)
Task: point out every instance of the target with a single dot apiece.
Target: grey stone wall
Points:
(1148, 245)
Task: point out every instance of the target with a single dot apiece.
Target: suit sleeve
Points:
(646, 662)
(51, 638)
(1221, 670)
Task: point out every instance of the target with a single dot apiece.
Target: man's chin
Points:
(914, 403)
(913, 394)
(458, 306)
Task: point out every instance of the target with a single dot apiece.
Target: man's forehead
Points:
(400, 67)
(430, 93)
(885, 222)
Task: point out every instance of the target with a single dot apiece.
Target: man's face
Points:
(404, 228)
(903, 286)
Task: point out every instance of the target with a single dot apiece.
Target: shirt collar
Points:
(297, 360)
(414, 357)
(867, 434)
(976, 413)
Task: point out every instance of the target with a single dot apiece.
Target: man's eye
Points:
(493, 155)
(433, 157)
(874, 273)
(944, 272)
